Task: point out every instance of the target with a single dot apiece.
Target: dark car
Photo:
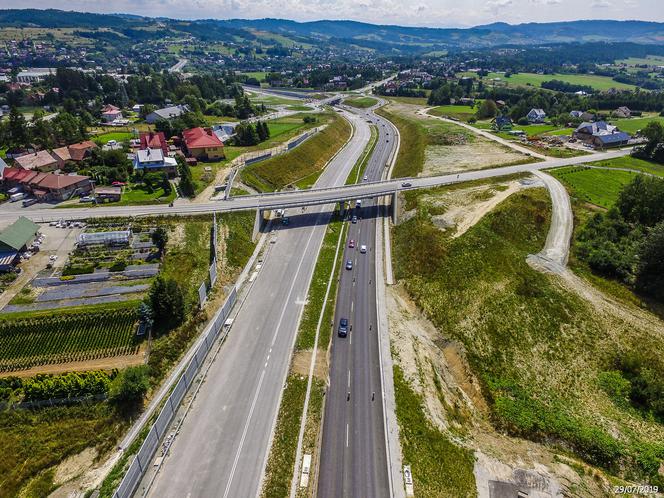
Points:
(353, 219)
(406, 184)
(343, 327)
(349, 265)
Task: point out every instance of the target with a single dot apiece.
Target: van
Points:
(343, 327)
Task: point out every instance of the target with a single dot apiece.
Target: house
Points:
(153, 140)
(15, 239)
(47, 186)
(536, 116)
(110, 113)
(39, 161)
(586, 130)
(155, 160)
(575, 114)
(224, 131)
(622, 112)
(74, 152)
(604, 141)
(166, 113)
(601, 135)
(203, 143)
(502, 123)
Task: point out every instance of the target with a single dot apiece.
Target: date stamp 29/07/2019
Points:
(635, 490)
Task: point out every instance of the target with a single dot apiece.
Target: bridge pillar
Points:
(258, 225)
(342, 209)
(395, 207)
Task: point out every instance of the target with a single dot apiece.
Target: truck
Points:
(17, 197)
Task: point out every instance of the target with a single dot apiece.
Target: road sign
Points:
(408, 480)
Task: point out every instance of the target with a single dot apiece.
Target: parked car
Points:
(87, 198)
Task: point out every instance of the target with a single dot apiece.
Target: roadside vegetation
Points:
(596, 186)
(545, 358)
(304, 162)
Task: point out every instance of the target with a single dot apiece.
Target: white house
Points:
(536, 116)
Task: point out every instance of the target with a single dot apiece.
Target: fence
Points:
(149, 447)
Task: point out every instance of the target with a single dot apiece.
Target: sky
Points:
(433, 13)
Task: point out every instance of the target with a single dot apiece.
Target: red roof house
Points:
(154, 140)
(202, 143)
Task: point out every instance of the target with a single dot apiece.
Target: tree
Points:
(160, 239)
(129, 387)
(17, 135)
(488, 109)
(167, 303)
(650, 269)
(187, 185)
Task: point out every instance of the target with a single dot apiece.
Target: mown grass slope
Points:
(541, 353)
(302, 162)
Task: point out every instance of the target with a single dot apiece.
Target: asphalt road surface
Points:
(353, 453)
(295, 198)
(223, 444)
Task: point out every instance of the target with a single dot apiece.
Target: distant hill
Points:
(375, 37)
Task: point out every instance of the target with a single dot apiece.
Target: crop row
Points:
(41, 341)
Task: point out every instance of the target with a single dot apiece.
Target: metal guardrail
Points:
(146, 453)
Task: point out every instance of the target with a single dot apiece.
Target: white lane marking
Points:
(352, 306)
(244, 434)
(346, 435)
(349, 378)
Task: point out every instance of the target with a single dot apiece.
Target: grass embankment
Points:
(34, 441)
(361, 102)
(441, 467)
(284, 446)
(539, 351)
(410, 159)
(306, 161)
(630, 162)
(462, 112)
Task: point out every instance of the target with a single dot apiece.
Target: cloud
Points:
(600, 4)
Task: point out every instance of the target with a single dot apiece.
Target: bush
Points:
(126, 391)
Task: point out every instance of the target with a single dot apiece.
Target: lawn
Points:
(304, 162)
(134, 195)
(361, 102)
(536, 348)
(118, 136)
(532, 79)
(597, 186)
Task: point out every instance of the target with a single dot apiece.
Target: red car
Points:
(118, 184)
(351, 243)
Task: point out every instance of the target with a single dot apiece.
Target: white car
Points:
(365, 178)
(53, 257)
(363, 249)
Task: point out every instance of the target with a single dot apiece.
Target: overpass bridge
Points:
(291, 198)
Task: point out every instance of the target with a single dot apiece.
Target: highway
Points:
(294, 198)
(223, 444)
(353, 458)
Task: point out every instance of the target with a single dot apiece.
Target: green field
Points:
(462, 112)
(361, 102)
(632, 125)
(630, 162)
(649, 59)
(597, 186)
(47, 340)
(305, 162)
(532, 79)
(259, 75)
